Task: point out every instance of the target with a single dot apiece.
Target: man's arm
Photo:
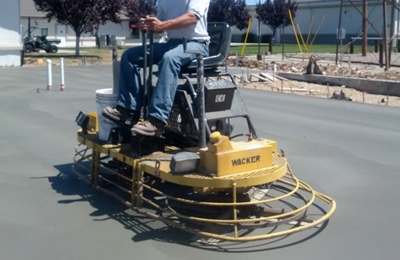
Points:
(183, 21)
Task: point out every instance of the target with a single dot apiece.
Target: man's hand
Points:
(142, 25)
(153, 24)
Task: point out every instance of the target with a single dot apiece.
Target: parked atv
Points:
(37, 43)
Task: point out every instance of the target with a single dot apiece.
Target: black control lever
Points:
(200, 91)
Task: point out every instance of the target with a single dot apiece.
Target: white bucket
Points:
(105, 98)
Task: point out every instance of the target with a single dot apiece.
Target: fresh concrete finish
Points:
(349, 151)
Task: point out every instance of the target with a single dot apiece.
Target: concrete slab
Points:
(372, 86)
(346, 150)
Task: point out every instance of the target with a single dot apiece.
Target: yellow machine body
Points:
(240, 184)
(225, 157)
(93, 123)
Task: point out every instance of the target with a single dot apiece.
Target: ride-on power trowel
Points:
(201, 176)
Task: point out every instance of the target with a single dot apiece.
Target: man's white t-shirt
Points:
(171, 9)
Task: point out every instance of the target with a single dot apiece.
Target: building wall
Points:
(320, 19)
(10, 40)
(317, 20)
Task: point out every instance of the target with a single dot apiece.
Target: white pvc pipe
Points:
(62, 74)
(49, 75)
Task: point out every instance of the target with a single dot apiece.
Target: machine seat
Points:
(220, 39)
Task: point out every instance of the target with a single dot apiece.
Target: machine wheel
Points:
(54, 48)
(28, 48)
(51, 48)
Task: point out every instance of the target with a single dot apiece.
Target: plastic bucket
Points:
(105, 98)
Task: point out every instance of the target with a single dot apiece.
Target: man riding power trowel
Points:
(180, 19)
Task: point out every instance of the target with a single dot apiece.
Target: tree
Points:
(233, 12)
(276, 14)
(135, 9)
(83, 16)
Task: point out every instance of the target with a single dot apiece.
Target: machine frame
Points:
(261, 201)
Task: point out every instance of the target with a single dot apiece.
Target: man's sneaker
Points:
(121, 115)
(153, 127)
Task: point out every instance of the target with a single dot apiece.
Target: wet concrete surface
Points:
(349, 151)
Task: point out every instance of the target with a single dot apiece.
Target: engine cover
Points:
(225, 157)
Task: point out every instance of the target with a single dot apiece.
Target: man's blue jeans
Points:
(170, 57)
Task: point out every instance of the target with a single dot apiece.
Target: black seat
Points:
(220, 40)
(222, 101)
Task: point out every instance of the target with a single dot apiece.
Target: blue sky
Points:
(253, 2)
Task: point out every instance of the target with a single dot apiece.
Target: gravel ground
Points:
(354, 66)
(323, 91)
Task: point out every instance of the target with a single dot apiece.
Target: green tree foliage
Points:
(233, 12)
(276, 14)
(83, 16)
(135, 9)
